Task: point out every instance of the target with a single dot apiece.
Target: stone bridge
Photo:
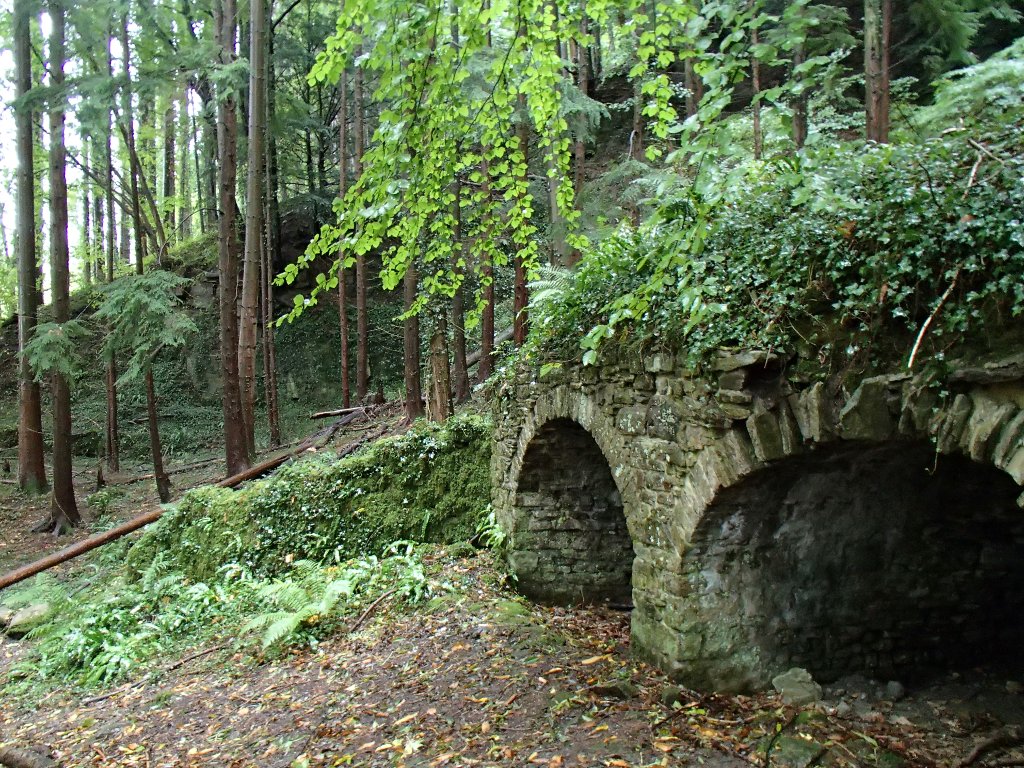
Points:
(757, 521)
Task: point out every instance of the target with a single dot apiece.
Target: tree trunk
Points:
(411, 356)
(85, 246)
(461, 369)
(108, 158)
(269, 250)
(170, 159)
(877, 26)
(346, 389)
(31, 472)
(184, 204)
(799, 102)
(440, 407)
(755, 73)
(253, 220)
(486, 367)
(236, 455)
(63, 507)
(520, 297)
(163, 483)
(113, 438)
(133, 161)
(362, 319)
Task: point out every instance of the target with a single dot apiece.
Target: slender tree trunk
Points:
(520, 293)
(184, 205)
(346, 389)
(362, 319)
(461, 369)
(755, 72)
(112, 431)
(411, 356)
(31, 472)
(799, 102)
(269, 250)
(163, 483)
(170, 159)
(440, 383)
(877, 31)
(85, 246)
(96, 254)
(63, 507)
(253, 219)
(113, 436)
(235, 443)
(133, 161)
(486, 366)
(108, 163)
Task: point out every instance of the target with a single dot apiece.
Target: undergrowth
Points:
(97, 633)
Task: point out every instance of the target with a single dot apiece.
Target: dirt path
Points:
(474, 678)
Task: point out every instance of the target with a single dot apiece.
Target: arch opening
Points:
(571, 542)
(860, 559)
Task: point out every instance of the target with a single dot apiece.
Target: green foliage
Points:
(844, 242)
(145, 316)
(99, 635)
(57, 348)
(427, 485)
(309, 599)
(194, 256)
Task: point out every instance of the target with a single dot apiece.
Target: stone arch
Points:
(768, 581)
(570, 503)
(688, 453)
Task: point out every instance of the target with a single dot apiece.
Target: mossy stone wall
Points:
(676, 444)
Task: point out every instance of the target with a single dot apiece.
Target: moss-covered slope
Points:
(430, 484)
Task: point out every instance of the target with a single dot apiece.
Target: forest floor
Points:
(475, 677)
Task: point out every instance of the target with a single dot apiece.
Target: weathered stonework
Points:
(768, 523)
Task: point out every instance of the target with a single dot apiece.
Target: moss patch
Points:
(429, 485)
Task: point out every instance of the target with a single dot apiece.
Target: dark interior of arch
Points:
(571, 537)
(866, 561)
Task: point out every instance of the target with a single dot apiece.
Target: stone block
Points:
(810, 408)
(736, 412)
(1010, 438)
(867, 416)
(730, 361)
(954, 423)
(1014, 465)
(734, 396)
(733, 380)
(632, 420)
(983, 427)
(792, 441)
(766, 436)
(661, 362)
(663, 418)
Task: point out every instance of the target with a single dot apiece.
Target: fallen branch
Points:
(373, 606)
(474, 357)
(932, 316)
(85, 545)
(337, 412)
(1011, 736)
(12, 757)
(99, 539)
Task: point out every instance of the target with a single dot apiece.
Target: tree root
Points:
(13, 757)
